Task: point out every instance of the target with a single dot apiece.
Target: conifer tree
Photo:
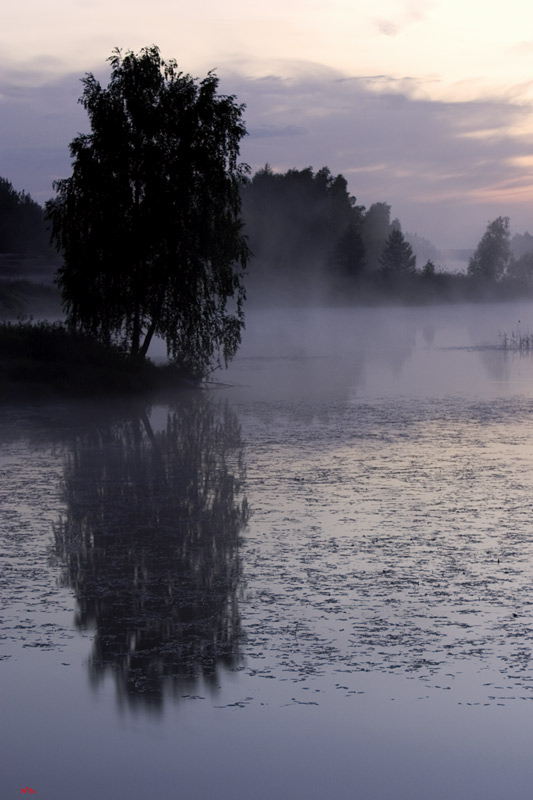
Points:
(397, 257)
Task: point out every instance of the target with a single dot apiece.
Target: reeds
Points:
(518, 341)
(44, 359)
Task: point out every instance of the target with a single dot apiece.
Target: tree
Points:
(303, 227)
(521, 243)
(376, 229)
(397, 257)
(428, 270)
(493, 253)
(521, 269)
(22, 227)
(149, 222)
(348, 254)
(153, 555)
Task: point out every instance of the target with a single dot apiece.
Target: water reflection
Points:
(150, 546)
(312, 359)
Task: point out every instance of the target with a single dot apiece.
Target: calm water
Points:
(314, 580)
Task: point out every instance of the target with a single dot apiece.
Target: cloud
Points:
(445, 167)
(414, 11)
(38, 119)
(37, 71)
(386, 27)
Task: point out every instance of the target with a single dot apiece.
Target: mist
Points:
(269, 554)
(331, 538)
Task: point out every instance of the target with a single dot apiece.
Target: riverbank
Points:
(42, 360)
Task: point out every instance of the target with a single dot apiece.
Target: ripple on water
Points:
(36, 612)
(385, 538)
(408, 552)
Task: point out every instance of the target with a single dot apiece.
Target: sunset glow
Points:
(319, 84)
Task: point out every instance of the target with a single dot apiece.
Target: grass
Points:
(45, 359)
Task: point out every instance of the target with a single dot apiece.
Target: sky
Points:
(424, 104)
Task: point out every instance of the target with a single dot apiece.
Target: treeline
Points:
(27, 262)
(310, 239)
(498, 257)
(22, 226)
(308, 236)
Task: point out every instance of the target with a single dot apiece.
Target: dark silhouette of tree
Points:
(22, 225)
(397, 257)
(522, 243)
(493, 253)
(303, 229)
(348, 253)
(375, 231)
(149, 544)
(521, 269)
(428, 270)
(149, 222)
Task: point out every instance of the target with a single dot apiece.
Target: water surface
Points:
(314, 579)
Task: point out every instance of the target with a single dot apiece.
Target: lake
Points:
(314, 579)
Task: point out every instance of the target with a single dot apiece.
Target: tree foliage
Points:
(348, 255)
(521, 243)
(397, 257)
(153, 555)
(521, 269)
(302, 225)
(376, 229)
(22, 226)
(428, 270)
(149, 221)
(493, 253)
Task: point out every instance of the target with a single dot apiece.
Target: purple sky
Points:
(417, 103)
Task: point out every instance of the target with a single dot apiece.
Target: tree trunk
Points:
(153, 324)
(136, 334)
(148, 338)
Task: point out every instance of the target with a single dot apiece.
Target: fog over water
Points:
(311, 580)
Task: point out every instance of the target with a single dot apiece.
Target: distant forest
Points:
(308, 236)
(310, 240)
(22, 226)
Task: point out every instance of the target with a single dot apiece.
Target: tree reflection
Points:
(149, 544)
